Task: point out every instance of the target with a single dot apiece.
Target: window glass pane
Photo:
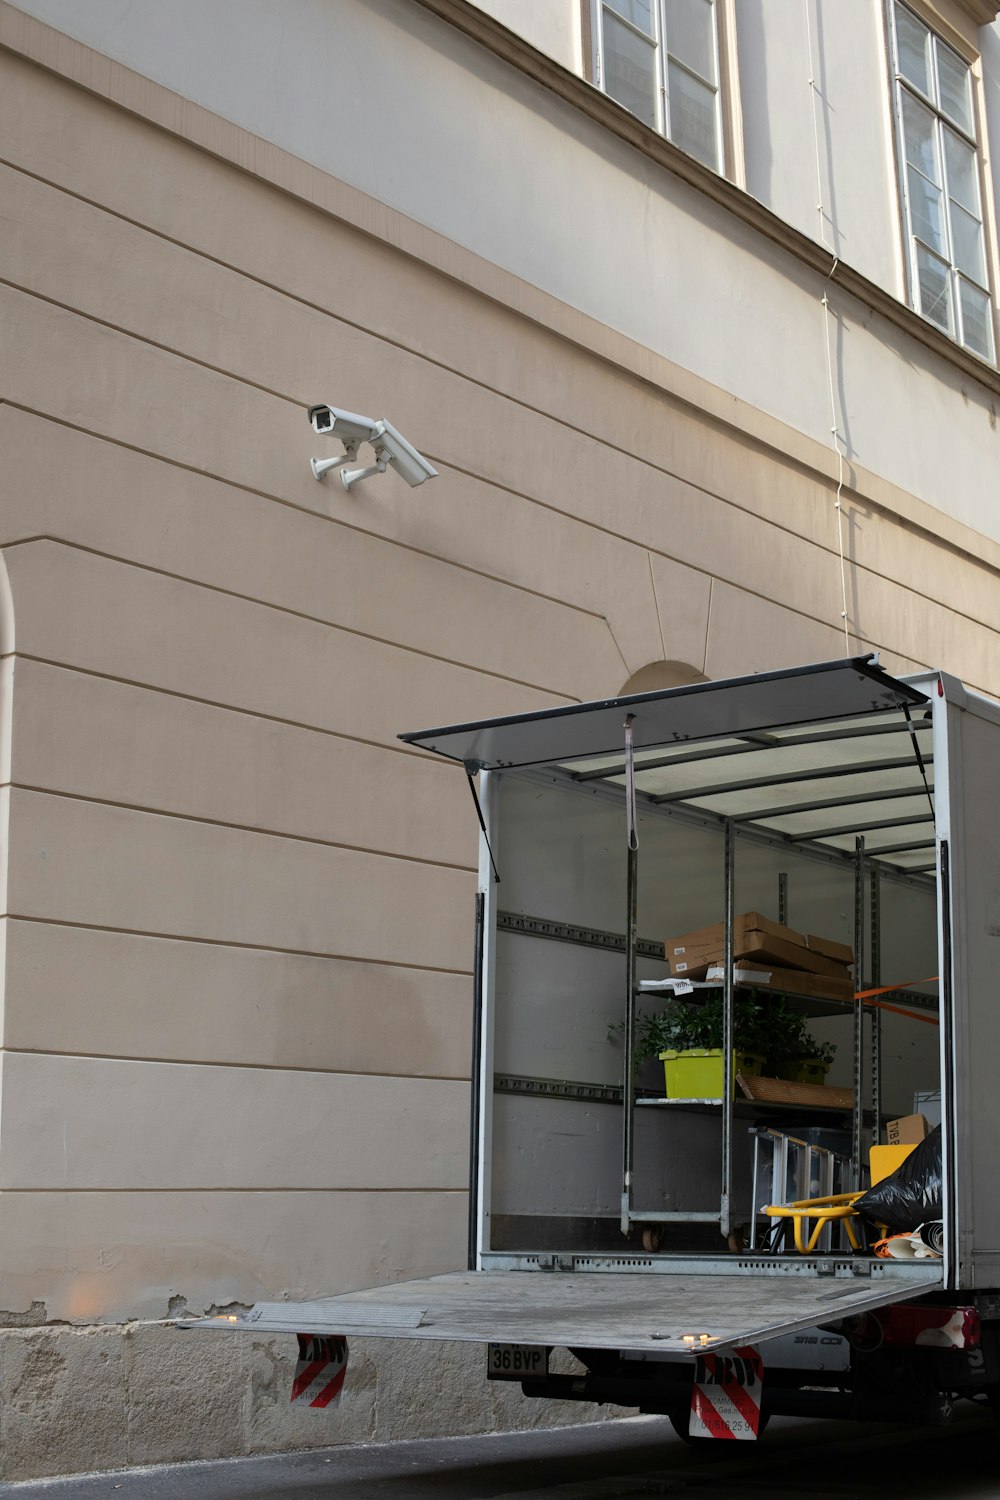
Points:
(629, 70)
(935, 294)
(919, 137)
(690, 35)
(967, 244)
(913, 45)
(942, 184)
(977, 330)
(963, 180)
(926, 210)
(639, 12)
(956, 88)
(692, 115)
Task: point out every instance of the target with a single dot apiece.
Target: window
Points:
(939, 172)
(660, 59)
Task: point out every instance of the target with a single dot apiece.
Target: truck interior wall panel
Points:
(561, 1157)
(555, 1001)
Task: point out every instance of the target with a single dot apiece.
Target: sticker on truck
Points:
(725, 1401)
(320, 1371)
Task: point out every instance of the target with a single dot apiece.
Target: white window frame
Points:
(942, 122)
(659, 43)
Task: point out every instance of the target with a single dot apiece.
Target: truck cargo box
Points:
(852, 818)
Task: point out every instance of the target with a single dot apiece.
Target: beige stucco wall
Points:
(239, 913)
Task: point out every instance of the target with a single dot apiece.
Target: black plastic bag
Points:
(912, 1194)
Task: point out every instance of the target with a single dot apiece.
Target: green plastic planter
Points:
(697, 1072)
(806, 1070)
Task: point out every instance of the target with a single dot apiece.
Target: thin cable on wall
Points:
(835, 433)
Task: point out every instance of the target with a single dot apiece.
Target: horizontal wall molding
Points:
(257, 831)
(260, 1067)
(236, 946)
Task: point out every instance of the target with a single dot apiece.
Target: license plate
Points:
(515, 1361)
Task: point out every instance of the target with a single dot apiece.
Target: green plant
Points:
(823, 1052)
(762, 1025)
(680, 1026)
(791, 1041)
(684, 1024)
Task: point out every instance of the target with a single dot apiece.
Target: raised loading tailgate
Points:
(579, 1310)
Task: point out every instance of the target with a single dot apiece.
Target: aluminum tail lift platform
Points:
(679, 1312)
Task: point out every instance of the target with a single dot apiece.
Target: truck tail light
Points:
(930, 1327)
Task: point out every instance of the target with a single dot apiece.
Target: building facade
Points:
(691, 303)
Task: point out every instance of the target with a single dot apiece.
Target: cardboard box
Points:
(779, 1091)
(715, 935)
(691, 960)
(906, 1131)
(795, 981)
(842, 953)
(768, 948)
(690, 956)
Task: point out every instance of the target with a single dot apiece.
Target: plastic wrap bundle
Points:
(912, 1195)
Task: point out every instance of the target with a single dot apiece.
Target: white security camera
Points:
(390, 447)
(348, 426)
(351, 429)
(403, 456)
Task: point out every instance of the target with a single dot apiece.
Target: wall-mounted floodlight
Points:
(390, 447)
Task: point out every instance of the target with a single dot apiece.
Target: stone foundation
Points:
(73, 1399)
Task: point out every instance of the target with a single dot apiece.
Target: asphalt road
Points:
(614, 1461)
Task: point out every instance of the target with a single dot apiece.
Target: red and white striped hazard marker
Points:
(319, 1374)
(725, 1402)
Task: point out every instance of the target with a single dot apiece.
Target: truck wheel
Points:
(652, 1239)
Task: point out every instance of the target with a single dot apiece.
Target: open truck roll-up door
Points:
(847, 689)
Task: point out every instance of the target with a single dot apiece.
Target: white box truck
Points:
(626, 1225)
